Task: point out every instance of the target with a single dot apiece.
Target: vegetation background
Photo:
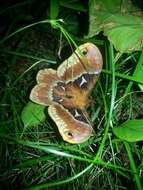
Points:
(38, 34)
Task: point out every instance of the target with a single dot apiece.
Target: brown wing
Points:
(86, 59)
(72, 124)
(42, 92)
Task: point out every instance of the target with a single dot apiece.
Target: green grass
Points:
(37, 158)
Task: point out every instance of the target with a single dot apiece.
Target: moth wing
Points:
(46, 75)
(86, 59)
(42, 92)
(72, 124)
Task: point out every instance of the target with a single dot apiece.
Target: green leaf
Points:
(32, 114)
(130, 131)
(120, 21)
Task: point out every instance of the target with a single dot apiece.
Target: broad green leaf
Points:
(130, 131)
(120, 21)
(32, 114)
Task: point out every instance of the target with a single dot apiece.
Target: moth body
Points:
(66, 90)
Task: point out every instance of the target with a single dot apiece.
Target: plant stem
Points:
(133, 166)
(113, 93)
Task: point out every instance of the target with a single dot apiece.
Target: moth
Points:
(66, 90)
